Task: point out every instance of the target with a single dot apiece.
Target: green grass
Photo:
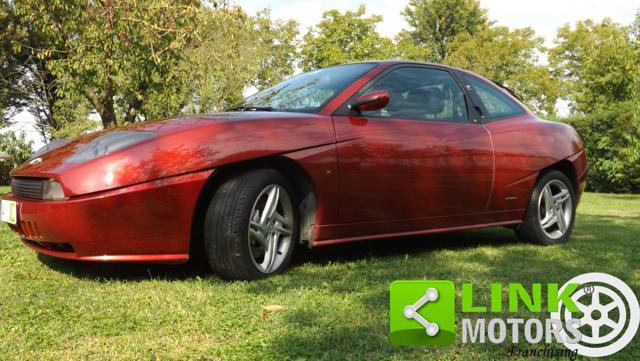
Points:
(335, 299)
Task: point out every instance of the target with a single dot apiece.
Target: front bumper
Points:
(148, 222)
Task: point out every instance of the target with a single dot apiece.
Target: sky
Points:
(544, 16)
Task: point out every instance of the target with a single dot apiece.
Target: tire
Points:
(549, 225)
(236, 233)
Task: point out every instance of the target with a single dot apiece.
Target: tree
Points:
(73, 118)
(405, 48)
(612, 143)
(119, 55)
(275, 49)
(635, 34)
(598, 64)
(12, 96)
(435, 24)
(17, 147)
(513, 62)
(342, 38)
(594, 61)
(134, 61)
(235, 51)
(33, 50)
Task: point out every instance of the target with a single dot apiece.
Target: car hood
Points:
(182, 145)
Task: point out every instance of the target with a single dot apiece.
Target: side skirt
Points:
(413, 233)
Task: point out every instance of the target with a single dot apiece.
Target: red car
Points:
(346, 153)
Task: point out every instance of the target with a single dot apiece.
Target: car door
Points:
(415, 162)
(515, 138)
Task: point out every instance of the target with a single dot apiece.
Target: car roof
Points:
(399, 62)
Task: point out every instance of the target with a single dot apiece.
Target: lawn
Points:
(334, 299)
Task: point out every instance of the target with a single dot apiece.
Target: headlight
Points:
(52, 191)
(109, 143)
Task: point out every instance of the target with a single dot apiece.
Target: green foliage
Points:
(73, 118)
(509, 57)
(120, 52)
(635, 73)
(135, 61)
(28, 78)
(406, 49)
(275, 49)
(235, 51)
(436, 24)
(17, 148)
(343, 38)
(612, 142)
(594, 61)
(12, 95)
(599, 65)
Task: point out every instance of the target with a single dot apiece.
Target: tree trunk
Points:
(108, 115)
(43, 86)
(103, 104)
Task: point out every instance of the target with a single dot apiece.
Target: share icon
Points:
(411, 311)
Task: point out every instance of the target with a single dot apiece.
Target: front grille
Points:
(26, 187)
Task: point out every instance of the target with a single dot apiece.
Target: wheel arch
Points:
(565, 167)
(300, 179)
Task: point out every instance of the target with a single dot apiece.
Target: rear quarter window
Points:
(496, 103)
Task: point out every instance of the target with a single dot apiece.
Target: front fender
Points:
(188, 145)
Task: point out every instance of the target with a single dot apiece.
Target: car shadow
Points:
(339, 253)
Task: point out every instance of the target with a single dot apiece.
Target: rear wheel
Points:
(251, 226)
(551, 213)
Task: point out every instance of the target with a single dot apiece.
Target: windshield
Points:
(307, 92)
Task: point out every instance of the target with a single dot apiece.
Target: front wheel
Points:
(251, 226)
(551, 212)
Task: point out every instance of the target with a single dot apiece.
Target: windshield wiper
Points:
(249, 108)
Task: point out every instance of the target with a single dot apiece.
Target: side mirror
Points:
(371, 101)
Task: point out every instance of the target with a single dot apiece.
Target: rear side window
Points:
(495, 102)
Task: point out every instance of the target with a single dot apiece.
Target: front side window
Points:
(307, 92)
(420, 94)
(495, 102)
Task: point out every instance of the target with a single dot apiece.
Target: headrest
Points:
(430, 99)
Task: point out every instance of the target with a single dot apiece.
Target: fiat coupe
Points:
(348, 153)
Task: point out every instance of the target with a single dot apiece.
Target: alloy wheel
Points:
(555, 209)
(270, 228)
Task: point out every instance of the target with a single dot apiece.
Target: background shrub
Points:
(613, 150)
